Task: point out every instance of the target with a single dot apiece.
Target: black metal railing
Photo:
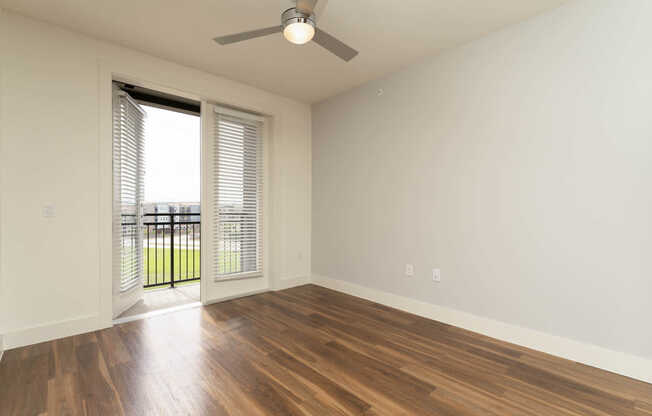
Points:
(171, 247)
(172, 251)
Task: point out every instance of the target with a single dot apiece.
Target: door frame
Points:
(107, 77)
(216, 290)
(205, 89)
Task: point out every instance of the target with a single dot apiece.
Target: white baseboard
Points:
(292, 282)
(2, 347)
(56, 330)
(48, 332)
(616, 362)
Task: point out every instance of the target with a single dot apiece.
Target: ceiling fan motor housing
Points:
(293, 15)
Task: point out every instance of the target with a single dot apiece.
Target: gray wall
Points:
(519, 164)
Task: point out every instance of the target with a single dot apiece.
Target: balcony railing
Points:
(172, 251)
(171, 247)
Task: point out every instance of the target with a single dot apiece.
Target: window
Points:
(238, 170)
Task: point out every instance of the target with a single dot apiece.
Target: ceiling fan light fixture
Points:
(299, 33)
(298, 28)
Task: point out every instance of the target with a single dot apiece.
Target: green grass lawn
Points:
(185, 266)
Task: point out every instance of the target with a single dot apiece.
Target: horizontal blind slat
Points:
(128, 174)
(238, 176)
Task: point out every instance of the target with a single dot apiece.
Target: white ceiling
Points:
(389, 34)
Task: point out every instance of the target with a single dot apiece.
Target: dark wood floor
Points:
(306, 350)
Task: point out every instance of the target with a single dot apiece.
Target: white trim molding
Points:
(62, 329)
(51, 331)
(617, 362)
(290, 282)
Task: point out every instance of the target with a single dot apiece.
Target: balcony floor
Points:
(158, 299)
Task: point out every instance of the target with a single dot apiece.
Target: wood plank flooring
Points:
(303, 351)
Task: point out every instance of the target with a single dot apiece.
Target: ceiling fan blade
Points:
(306, 6)
(334, 45)
(239, 37)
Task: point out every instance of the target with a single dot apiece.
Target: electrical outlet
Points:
(436, 275)
(409, 270)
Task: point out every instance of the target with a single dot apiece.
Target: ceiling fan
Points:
(298, 25)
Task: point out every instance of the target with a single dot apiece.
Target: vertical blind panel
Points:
(128, 190)
(238, 182)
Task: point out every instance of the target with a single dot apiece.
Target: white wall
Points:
(56, 149)
(519, 164)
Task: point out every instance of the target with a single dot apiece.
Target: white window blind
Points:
(128, 190)
(238, 179)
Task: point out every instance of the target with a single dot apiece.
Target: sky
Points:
(172, 156)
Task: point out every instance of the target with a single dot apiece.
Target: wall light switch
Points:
(436, 275)
(49, 211)
(409, 270)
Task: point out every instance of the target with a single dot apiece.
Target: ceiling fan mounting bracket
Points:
(293, 15)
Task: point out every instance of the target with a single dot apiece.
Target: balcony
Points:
(171, 258)
(172, 246)
(171, 249)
